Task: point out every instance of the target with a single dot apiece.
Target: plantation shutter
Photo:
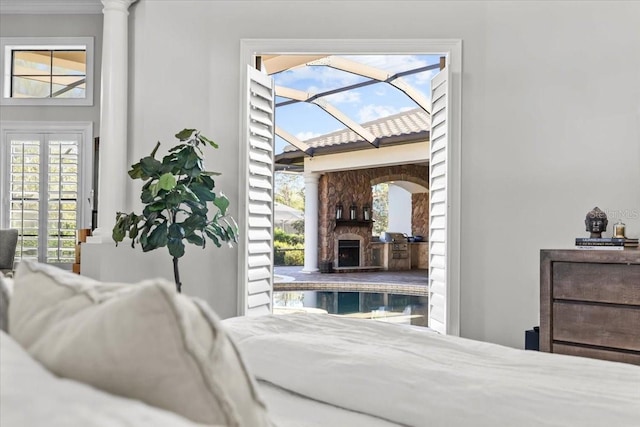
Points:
(438, 176)
(43, 187)
(259, 216)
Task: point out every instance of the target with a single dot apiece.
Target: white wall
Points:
(399, 210)
(551, 121)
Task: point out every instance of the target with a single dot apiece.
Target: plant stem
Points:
(176, 275)
(176, 271)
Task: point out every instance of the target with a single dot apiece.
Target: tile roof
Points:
(397, 125)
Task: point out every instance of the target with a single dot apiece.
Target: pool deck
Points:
(404, 282)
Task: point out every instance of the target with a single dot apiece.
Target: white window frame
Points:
(85, 157)
(9, 44)
(452, 50)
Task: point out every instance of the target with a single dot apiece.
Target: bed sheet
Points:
(415, 377)
(287, 409)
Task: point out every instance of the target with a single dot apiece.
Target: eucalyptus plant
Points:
(177, 194)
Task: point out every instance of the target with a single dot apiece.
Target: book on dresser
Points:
(590, 304)
(600, 243)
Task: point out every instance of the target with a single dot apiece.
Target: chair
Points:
(8, 243)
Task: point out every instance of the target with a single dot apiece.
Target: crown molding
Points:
(42, 7)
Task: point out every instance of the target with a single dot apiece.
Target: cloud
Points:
(421, 79)
(348, 97)
(303, 136)
(371, 112)
(316, 78)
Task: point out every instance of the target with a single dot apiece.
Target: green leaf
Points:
(144, 237)
(158, 206)
(147, 195)
(194, 222)
(195, 171)
(213, 237)
(176, 247)
(119, 229)
(185, 134)
(157, 238)
(154, 188)
(195, 239)
(150, 166)
(167, 182)
(191, 159)
(208, 181)
(222, 203)
(177, 148)
(174, 199)
(176, 231)
(202, 192)
(136, 171)
(208, 141)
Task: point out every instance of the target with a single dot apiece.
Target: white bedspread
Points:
(413, 376)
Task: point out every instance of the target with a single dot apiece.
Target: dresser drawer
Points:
(612, 326)
(596, 353)
(611, 283)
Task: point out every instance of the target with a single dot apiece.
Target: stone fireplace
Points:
(353, 188)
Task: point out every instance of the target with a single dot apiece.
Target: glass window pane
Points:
(30, 63)
(30, 87)
(70, 62)
(69, 87)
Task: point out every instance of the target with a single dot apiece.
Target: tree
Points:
(176, 195)
(380, 208)
(289, 189)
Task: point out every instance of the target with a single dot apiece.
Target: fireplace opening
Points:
(348, 253)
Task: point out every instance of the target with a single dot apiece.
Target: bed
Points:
(324, 370)
(82, 352)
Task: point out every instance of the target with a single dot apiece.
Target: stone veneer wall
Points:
(354, 187)
(420, 214)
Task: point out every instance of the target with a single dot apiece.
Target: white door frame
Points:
(85, 176)
(452, 50)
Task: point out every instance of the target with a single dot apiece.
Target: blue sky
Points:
(306, 120)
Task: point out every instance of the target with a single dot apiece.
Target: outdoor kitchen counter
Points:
(401, 255)
(419, 255)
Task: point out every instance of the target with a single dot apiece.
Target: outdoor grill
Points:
(392, 237)
(398, 244)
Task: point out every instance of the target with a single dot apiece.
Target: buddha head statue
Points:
(596, 222)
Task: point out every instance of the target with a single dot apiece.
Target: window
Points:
(43, 188)
(47, 71)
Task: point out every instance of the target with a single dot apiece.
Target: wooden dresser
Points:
(590, 303)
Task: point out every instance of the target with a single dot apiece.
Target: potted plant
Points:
(177, 194)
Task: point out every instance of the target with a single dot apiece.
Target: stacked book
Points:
(606, 243)
(595, 243)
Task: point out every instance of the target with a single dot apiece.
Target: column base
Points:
(310, 270)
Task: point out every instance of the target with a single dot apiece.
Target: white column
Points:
(112, 178)
(310, 222)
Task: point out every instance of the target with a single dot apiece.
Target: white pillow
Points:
(142, 341)
(33, 396)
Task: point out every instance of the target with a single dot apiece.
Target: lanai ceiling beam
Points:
(291, 139)
(299, 95)
(377, 74)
